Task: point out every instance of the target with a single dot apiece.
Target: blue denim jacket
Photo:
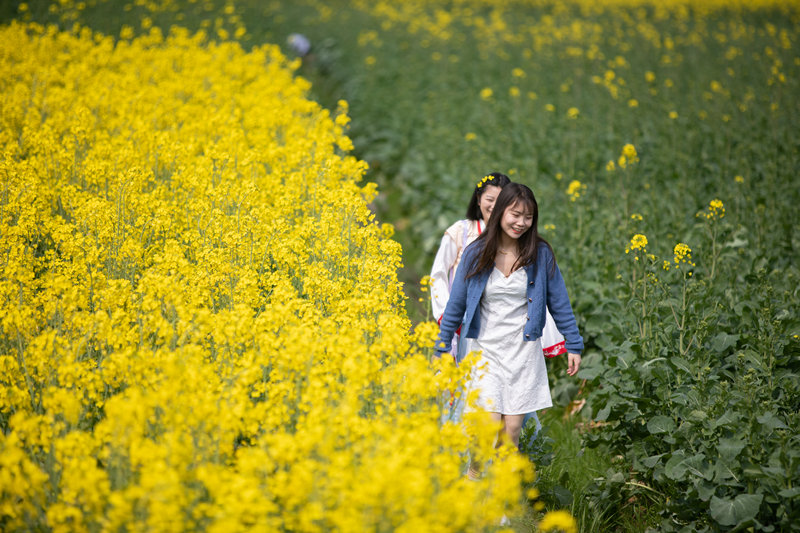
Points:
(544, 290)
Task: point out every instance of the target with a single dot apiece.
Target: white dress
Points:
(513, 380)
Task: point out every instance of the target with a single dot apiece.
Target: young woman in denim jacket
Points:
(503, 286)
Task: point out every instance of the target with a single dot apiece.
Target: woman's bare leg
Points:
(512, 427)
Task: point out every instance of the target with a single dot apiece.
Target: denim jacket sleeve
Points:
(456, 305)
(561, 309)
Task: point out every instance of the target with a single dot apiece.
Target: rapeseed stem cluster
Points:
(202, 325)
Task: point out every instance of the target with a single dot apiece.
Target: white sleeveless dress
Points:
(514, 378)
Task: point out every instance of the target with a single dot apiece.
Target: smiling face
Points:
(517, 219)
(487, 199)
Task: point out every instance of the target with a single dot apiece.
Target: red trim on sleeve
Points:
(555, 350)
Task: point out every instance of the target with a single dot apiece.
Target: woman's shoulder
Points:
(473, 248)
(544, 254)
(456, 228)
(543, 249)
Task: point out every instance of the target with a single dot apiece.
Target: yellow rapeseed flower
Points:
(683, 254)
(638, 243)
(714, 211)
(558, 521)
(575, 189)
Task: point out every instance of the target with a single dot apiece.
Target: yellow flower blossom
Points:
(683, 255)
(714, 211)
(558, 521)
(629, 151)
(638, 243)
(575, 189)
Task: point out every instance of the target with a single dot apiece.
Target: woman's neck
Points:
(506, 243)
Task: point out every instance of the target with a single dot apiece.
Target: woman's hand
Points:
(574, 363)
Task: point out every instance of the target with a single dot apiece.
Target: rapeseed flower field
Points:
(202, 324)
(212, 244)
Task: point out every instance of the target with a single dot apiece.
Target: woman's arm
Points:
(560, 307)
(456, 305)
(440, 275)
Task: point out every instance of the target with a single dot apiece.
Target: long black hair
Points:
(495, 178)
(528, 242)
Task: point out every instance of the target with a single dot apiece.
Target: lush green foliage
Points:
(692, 379)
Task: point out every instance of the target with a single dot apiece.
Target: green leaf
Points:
(723, 341)
(660, 424)
(790, 493)
(674, 469)
(590, 372)
(625, 360)
(770, 421)
(681, 364)
(697, 415)
(729, 448)
(705, 490)
(727, 418)
(729, 512)
(678, 465)
(653, 460)
(723, 471)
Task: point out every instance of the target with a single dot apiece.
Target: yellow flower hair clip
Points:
(484, 180)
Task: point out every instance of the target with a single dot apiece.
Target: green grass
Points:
(566, 477)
